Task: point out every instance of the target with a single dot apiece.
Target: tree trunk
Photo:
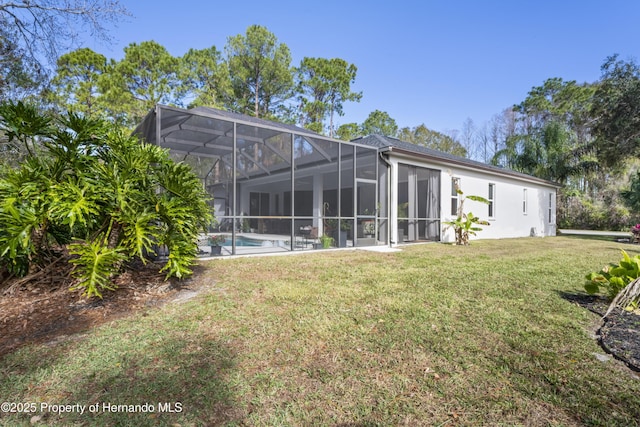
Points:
(114, 235)
(38, 236)
(256, 103)
(331, 123)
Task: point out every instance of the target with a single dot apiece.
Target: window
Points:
(491, 198)
(455, 187)
(550, 208)
(524, 201)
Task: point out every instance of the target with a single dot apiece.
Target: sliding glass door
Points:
(418, 204)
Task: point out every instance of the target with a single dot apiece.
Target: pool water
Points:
(244, 241)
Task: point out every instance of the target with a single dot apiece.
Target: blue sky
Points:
(431, 62)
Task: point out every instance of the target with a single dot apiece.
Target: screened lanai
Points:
(276, 187)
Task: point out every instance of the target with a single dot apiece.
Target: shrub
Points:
(216, 240)
(613, 278)
(594, 213)
(89, 189)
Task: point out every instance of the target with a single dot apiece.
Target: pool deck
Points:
(302, 245)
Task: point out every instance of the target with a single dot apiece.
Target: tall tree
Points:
(558, 100)
(545, 153)
(616, 130)
(324, 85)
(348, 131)
(44, 28)
(552, 140)
(261, 75)
(468, 137)
(205, 78)
(484, 143)
(422, 135)
(146, 76)
(20, 75)
(616, 111)
(379, 123)
(503, 126)
(76, 83)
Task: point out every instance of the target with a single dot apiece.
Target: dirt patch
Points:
(37, 313)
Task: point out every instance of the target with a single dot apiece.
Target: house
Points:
(278, 187)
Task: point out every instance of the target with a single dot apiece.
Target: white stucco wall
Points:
(509, 220)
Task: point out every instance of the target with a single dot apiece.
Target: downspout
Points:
(386, 161)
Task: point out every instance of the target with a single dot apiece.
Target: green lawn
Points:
(432, 335)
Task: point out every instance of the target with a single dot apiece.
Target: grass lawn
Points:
(432, 335)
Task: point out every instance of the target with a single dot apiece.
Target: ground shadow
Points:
(175, 382)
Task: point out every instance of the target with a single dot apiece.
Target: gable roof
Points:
(391, 145)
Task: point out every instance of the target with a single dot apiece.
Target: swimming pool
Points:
(248, 241)
(245, 241)
(244, 244)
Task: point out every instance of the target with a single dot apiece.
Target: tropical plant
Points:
(466, 224)
(330, 222)
(613, 278)
(216, 240)
(621, 282)
(369, 227)
(326, 241)
(93, 193)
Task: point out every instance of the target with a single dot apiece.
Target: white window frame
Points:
(551, 208)
(525, 203)
(455, 182)
(491, 197)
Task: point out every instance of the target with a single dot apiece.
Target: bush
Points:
(613, 278)
(89, 189)
(579, 211)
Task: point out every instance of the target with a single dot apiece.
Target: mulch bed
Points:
(620, 336)
(49, 313)
(619, 333)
